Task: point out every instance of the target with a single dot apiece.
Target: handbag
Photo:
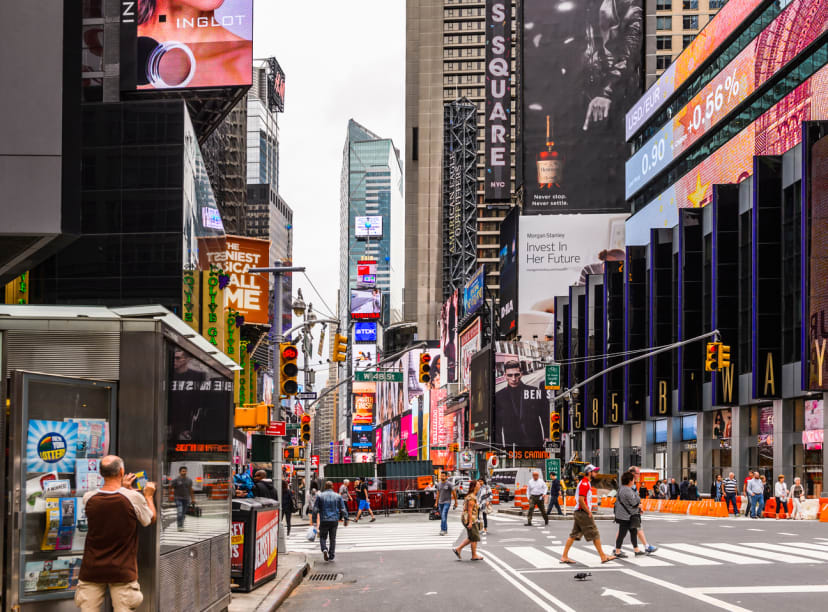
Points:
(193, 510)
(311, 534)
(434, 515)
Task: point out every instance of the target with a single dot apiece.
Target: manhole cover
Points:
(324, 577)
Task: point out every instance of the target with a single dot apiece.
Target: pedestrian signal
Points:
(288, 369)
(425, 368)
(724, 356)
(711, 362)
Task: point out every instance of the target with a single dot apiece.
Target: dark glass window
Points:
(151, 254)
(690, 5)
(792, 293)
(664, 42)
(100, 212)
(101, 168)
(152, 210)
(153, 167)
(664, 5)
(664, 23)
(663, 61)
(690, 22)
(90, 256)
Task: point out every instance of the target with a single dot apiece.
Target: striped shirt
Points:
(730, 485)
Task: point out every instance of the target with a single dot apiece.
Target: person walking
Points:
(755, 490)
(110, 553)
(300, 499)
(648, 548)
(362, 499)
(345, 493)
(469, 520)
(780, 492)
(627, 514)
(536, 490)
(328, 509)
(797, 495)
(182, 488)
(584, 523)
(716, 491)
(730, 487)
(484, 500)
(287, 504)
(445, 495)
(262, 487)
(554, 494)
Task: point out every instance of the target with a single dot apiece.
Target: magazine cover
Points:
(87, 475)
(93, 437)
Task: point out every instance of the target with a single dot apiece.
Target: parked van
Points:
(511, 478)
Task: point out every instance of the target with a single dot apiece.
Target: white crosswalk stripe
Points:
(748, 551)
(376, 537)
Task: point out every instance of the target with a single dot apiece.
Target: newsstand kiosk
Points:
(81, 383)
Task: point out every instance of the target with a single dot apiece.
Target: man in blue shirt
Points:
(327, 510)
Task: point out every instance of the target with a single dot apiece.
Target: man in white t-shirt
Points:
(584, 522)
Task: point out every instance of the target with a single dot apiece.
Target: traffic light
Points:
(454, 448)
(555, 426)
(251, 415)
(306, 428)
(288, 369)
(425, 368)
(712, 359)
(724, 356)
(340, 348)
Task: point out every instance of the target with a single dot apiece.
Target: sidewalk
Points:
(291, 570)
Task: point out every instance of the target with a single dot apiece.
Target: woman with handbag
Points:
(627, 514)
(484, 499)
(797, 494)
(469, 520)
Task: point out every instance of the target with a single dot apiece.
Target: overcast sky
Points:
(342, 59)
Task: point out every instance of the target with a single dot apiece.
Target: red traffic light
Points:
(425, 358)
(290, 352)
(306, 418)
(555, 417)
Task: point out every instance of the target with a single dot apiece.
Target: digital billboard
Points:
(362, 437)
(366, 304)
(773, 133)
(365, 331)
(186, 44)
(276, 86)
(498, 100)
(448, 338)
(557, 251)
(363, 409)
(815, 283)
(581, 71)
(368, 227)
(480, 397)
(470, 343)
(508, 273)
(363, 357)
(248, 294)
(409, 439)
(366, 273)
(473, 292)
(766, 54)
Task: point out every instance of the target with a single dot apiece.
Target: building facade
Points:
(445, 60)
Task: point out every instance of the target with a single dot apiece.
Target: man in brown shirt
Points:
(110, 556)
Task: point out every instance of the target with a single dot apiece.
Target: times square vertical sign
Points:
(498, 100)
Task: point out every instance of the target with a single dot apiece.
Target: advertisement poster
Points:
(582, 71)
(521, 404)
(480, 397)
(409, 436)
(470, 342)
(473, 291)
(813, 436)
(267, 536)
(93, 437)
(237, 546)
(366, 304)
(51, 446)
(182, 44)
(247, 293)
(365, 331)
(498, 100)
(363, 356)
(363, 409)
(723, 427)
(557, 251)
(362, 437)
(815, 284)
(509, 273)
(448, 339)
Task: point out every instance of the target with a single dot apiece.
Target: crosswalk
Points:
(679, 554)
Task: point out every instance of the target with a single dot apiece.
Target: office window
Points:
(664, 5)
(690, 22)
(691, 5)
(664, 23)
(664, 42)
(687, 39)
(663, 61)
(716, 4)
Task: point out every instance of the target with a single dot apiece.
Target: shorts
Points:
(125, 595)
(584, 526)
(364, 504)
(473, 532)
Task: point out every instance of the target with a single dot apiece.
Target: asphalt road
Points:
(702, 563)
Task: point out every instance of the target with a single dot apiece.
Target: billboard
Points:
(581, 71)
(473, 291)
(247, 293)
(470, 343)
(408, 435)
(363, 357)
(366, 304)
(498, 100)
(368, 227)
(815, 254)
(480, 397)
(508, 273)
(276, 86)
(716, 32)
(557, 251)
(366, 273)
(763, 57)
(521, 404)
(363, 409)
(448, 338)
(773, 133)
(182, 44)
(362, 437)
(365, 331)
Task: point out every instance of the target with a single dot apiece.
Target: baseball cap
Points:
(590, 468)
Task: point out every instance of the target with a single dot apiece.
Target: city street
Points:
(701, 563)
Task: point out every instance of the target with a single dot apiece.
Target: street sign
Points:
(276, 428)
(553, 376)
(396, 377)
(553, 466)
(307, 395)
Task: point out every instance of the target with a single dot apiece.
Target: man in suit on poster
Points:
(521, 412)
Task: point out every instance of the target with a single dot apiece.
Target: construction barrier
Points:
(823, 511)
(521, 500)
(495, 497)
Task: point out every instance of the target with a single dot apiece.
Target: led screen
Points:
(766, 54)
(815, 247)
(186, 44)
(366, 273)
(365, 227)
(362, 436)
(366, 303)
(365, 331)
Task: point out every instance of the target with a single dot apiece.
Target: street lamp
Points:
(298, 305)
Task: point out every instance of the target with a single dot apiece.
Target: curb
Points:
(283, 590)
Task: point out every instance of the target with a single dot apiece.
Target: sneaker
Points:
(443, 533)
(372, 520)
(651, 549)
(325, 554)
(331, 558)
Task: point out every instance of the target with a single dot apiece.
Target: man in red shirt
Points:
(110, 555)
(584, 522)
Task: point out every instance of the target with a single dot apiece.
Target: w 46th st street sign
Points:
(396, 377)
(553, 376)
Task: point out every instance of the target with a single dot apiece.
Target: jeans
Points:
(536, 500)
(181, 506)
(730, 498)
(755, 502)
(328, 528)
(444, 508)
(485, 516)
(553, 503)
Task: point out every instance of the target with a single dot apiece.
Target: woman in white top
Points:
(780, 492)
(797, 494)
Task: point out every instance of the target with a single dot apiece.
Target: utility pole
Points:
(278, 337)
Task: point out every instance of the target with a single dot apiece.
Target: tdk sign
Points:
(365, 331)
